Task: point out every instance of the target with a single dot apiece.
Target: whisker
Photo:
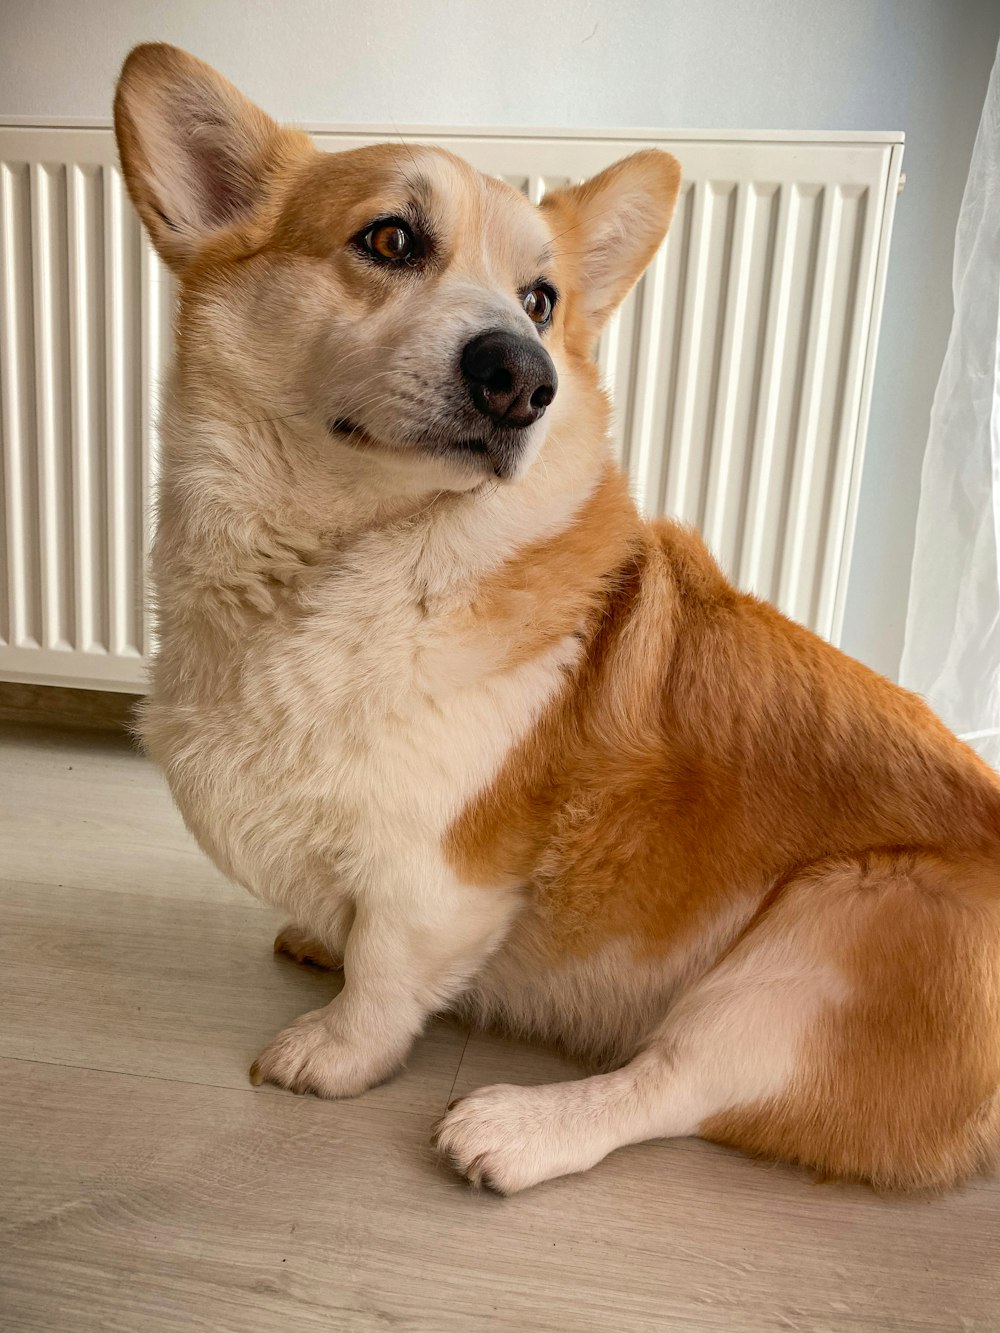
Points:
(261, 421)
(409, 150)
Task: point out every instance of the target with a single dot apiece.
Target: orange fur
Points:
(710, 752)
(900, 1088)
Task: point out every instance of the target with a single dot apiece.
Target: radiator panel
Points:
(740, 369)
(76, 387)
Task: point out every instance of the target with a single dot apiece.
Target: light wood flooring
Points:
(145, 1186)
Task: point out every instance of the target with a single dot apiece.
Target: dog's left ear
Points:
(609, 228)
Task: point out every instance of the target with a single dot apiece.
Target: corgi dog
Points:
(496, 744)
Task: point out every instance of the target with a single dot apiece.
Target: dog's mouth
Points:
(500, 452)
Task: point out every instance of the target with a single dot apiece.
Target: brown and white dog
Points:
(428, 682)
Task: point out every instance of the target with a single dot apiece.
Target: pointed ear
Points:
(197, 155)
(610, 227)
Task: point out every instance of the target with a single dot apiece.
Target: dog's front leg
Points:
(407, 955)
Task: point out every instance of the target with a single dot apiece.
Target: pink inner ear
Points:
(218, 185)
(222, 194)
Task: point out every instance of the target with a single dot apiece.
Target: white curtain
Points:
(951, 652)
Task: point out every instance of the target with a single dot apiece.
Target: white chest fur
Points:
(365, 718)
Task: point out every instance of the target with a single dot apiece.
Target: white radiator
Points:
(741, 368)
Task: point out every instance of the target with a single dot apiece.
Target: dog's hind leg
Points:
(855, 1028)
(299, 945)
(321, 945)
(736, 1037)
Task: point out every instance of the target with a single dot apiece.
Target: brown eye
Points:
(538, 305)
(390, 241)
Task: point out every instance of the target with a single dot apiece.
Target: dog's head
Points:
(391, 299)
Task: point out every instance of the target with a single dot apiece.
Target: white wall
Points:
(917, 65)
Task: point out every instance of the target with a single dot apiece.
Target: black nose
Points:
(510, 376)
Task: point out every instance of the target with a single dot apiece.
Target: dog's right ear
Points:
(197, 155)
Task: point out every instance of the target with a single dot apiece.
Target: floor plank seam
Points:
(458, 1070)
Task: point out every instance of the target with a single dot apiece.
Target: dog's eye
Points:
(392, 242)
(538, 304)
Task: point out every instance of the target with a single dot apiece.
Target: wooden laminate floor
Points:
(145, 1186)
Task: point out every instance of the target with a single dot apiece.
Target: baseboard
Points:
(75, 710)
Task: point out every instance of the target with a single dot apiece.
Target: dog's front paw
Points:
(507, 1138)
(309, 1056)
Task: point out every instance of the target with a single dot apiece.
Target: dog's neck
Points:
(263, 524)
